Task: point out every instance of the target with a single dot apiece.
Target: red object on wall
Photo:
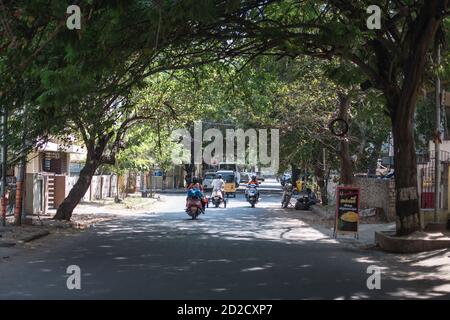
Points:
(427, 200)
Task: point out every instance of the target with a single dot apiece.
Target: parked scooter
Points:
(305, 200)
(252, 194)
(287, 195)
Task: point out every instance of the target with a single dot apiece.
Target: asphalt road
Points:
(232, 253)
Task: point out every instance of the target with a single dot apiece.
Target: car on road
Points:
(245, 177)
(207, 180)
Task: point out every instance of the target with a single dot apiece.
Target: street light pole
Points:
(4, 152)
(437, 139)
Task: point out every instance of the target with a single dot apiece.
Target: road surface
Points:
(232, 253)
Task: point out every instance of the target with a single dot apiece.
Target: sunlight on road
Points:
(240, 252)
(227, 224)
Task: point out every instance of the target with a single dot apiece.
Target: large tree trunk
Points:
(403, 106)
(344, 148)
(94, 158)
(78, 191)
(407, 199)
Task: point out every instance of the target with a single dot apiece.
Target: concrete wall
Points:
(33, 163)
(70, 181)
(36, 190)
(391, 214)
(35, 193)
(374, 192)
(60, 190)
(101, 187)
(377, 193)
(331, 190)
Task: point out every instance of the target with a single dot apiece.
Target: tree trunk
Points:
(407, 199)
(421, 37)
(373, 163)
(78, 191)
(151, 183)
(189, 168)
(127, 185)
(344, 148)
(295, 175)
(117, 197)
(319, 173)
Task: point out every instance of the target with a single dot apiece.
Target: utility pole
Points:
(19, 192)
(437, 139)
(19, 210)
(324, 160)
(4, 153)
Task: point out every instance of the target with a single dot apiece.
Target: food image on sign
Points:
(347, 210)
(350, 216)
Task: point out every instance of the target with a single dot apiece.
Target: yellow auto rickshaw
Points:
(230, 182)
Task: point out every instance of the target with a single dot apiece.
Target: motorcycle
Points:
(217, 198)
(194, 205)
(304, 202)
(194, 208)
(252, 195)
(287, 195)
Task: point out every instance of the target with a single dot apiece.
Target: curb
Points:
(31, 237)
(7, 244)
(436, 226)
(63, 224)
(387, 241)
(34, 236)
(81, 226)
(89, 224)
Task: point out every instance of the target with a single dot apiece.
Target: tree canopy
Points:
(87, 82)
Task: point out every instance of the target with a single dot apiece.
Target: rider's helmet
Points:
(195, 180)
(219, 176)
(253, 176)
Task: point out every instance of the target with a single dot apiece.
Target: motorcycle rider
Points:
(218, 186)
(253, 181)
(195, 184)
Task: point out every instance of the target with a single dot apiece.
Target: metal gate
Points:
(427, 185)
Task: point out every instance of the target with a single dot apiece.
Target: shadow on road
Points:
(237, 253)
